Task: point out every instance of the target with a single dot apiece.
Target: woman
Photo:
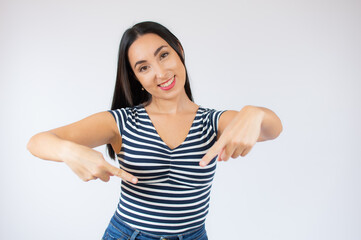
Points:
(166, 144)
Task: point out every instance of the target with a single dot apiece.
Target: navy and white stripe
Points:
(173, 191)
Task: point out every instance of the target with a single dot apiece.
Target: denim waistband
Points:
(138, 234)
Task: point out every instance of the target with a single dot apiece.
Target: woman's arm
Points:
(271, 126)
(239, 131)
(73, 145)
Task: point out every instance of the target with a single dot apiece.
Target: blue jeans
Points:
(119, 230)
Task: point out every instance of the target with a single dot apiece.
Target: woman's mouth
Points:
(168, 84)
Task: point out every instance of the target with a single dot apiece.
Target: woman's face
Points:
(157, 66)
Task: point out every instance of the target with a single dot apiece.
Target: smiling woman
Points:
(157, 67)
(166, 144)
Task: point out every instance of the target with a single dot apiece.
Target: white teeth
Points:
(167, 83)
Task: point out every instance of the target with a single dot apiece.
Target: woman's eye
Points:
(142, 69)
(164, 55)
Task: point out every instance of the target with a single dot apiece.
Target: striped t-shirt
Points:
(173, 191)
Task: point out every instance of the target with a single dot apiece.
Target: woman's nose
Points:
(160, 72)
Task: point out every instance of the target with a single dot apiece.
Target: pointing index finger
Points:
(122, 174)
(212, 152)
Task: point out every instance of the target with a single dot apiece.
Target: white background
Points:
(301, 59)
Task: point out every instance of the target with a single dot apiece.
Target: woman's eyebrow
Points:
(155, 54)
(158, 49)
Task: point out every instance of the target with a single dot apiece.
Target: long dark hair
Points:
(128, 91)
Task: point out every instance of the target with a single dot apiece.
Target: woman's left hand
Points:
(238, 137)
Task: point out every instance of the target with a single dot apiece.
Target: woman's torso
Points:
(172, 193)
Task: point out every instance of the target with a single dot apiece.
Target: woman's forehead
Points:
(145, 46)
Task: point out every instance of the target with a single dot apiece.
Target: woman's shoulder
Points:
(209, 110)
(129, 109)
(127, 112)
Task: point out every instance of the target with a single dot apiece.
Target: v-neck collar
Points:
(166, 145)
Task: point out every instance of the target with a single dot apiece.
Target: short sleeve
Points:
(121, 118)
(214, 116)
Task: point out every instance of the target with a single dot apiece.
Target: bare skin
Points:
(73, 143)
(154, 62)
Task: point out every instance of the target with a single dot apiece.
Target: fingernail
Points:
(134, 180)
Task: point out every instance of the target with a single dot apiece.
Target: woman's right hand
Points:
(90, 164)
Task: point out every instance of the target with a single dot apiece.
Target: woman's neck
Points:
(171, 106)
